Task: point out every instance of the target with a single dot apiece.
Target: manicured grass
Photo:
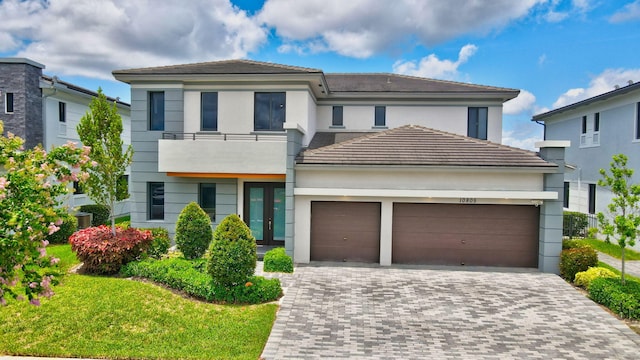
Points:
(627, 276)
(124, 218)
(102, 317)
(611, 249)
(63, 252)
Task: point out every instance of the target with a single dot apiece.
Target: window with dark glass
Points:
(336, 120)
(208, 200)
(380, 116)
(269, 111)
(477, 121)
(155, 192)
(638, 121)
(584, 124)
(565, 201)
(77, 188)
(592, 198)
(62, 112)
(8, 102)
(156, 110)
(596, 122)
(209, 111)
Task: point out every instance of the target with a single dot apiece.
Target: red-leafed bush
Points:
(103, 253)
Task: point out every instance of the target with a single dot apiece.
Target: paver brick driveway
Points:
(355, 312)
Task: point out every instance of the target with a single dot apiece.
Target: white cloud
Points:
(629, 12)
(432, 67)
(542, 59)
(523, 103)
(602, 83)
(521, 133)
(361, 28)
(92, 38)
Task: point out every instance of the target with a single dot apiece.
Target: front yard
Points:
(100, 317)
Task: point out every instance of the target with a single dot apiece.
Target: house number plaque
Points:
(468, 200)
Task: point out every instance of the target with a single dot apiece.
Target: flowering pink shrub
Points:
(103, 253)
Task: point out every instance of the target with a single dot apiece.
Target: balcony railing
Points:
(223, 137)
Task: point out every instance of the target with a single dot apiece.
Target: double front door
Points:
(264, 209)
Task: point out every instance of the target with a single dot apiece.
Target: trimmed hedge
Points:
(67, 228)
(100, 213)
(571, 244)
(161, 242)
(103, 253)
(232, 253)
(623, 300)
(277, 260)
(189, 276)
(193, 231)
(585, 278)
(575, 260)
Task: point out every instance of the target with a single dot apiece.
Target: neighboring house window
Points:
(156, 200)
(590, 131)
(8, 103)
(208, 200)
(592, 198)
(584, 125)
(77, 188)
(380, 116)
(477, 122)
(336, 120)
(209, 111)
(156, 110)
(62, 112)
(565, 201)
(638, 121)
(596, 122)
(269, 111)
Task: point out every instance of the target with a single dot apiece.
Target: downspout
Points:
(544, 126)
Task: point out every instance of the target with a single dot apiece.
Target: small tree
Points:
(101, 129)
(193, 231)
(623, 207)
(32, 184)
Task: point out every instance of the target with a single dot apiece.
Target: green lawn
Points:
(611, 249)
(106, 317)
(626, 276)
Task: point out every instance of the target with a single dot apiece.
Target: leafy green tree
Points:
(624, 206)
(33, 183)
(101, 129)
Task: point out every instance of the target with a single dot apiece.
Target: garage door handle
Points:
(344, 238)
(463, 241)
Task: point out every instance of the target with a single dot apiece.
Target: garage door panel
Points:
(494, 235)
(345, 231)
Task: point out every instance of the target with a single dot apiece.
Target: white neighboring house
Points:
(378, 168)
(598, 128)
(46, 110)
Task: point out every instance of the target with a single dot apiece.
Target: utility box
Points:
(84, 219)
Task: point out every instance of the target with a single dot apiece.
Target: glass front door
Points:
(264, 212)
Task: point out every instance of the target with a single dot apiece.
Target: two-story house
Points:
(598, 128)
(380, 168)
(45, 110)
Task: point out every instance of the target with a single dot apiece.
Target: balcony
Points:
(220, 154)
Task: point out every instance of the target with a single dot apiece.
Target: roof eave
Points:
(550, 168)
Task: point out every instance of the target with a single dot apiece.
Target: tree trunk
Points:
(622, 267)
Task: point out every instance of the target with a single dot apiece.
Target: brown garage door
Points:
(452, 234)
(345, 231)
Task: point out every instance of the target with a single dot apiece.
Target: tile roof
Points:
(220, 67)
(415, 145)
(382, 82)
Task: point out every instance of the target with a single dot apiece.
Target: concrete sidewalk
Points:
(631, 267)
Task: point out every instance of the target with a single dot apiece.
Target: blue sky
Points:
(556, 51)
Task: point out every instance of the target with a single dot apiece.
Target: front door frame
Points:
(268, 210)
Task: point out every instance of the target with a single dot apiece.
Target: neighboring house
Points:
(598, 128)
(380, 168)
(45, 110)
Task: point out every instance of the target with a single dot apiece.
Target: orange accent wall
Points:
(227, 175)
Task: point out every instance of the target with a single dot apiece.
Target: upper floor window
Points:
(209, 111)
(592, 198)
(77, 188)
(584, 125)
(336, 120)
(638, 121)
(207, 200)
(590, 131)
(62, 112)
(596, 122)
(477, 122)
(8, 103)
(269, 111)
(155, 201)
(380, 116)
(156, 110)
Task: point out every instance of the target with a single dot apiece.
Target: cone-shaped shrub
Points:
(193, 231)
(233, 253)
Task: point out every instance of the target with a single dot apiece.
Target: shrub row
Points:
(100, 213)
(575, 260)
(161, 242)
(277, 260)
(623, 300)
(189, 276)
(585, 278)
(104, 253)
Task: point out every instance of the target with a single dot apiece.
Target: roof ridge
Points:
(424, 78)
(227, 61)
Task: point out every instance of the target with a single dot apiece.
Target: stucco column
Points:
(294, 144)
(550, 238)
(386, 226)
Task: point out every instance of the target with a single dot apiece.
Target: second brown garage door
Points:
(452, 234)
(345, 231)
